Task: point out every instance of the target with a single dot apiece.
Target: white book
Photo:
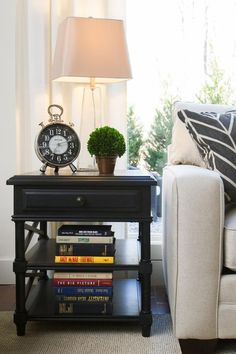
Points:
(84, 239)
(82, 275)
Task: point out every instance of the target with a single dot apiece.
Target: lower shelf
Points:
(40, 304)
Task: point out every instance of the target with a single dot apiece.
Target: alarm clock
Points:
(57, 145)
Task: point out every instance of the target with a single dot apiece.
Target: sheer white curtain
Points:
(28, 34)
(36, 32)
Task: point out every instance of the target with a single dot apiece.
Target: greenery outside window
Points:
(180, 52)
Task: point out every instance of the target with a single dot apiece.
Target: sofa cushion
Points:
(183, 150)
(230, 238)
(227, 307)
(215, 138)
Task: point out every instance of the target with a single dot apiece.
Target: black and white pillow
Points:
(215, 137)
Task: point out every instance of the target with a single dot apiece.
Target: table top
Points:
(65, 176)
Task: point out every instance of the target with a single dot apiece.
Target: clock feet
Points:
(43, 168)
(73, 168)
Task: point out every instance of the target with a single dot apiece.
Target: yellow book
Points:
(83, 259)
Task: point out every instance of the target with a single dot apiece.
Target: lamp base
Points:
(87, 169)
(90, 168)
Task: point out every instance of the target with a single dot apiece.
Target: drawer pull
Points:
(80, 200)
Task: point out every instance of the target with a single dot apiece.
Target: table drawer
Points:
(76, 199)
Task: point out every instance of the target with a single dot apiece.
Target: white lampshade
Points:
(91, 48)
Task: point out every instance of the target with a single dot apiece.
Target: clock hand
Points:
(56, 148)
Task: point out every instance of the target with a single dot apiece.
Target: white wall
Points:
(8, 137)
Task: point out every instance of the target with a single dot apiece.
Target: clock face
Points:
(57, 145)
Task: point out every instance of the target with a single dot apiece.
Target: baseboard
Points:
(157, 278)
(7, 276)
(157, 269)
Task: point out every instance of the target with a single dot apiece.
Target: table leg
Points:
(145, 270)
(19, 266)
(43, 227)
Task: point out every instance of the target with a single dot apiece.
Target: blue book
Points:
(83, 290)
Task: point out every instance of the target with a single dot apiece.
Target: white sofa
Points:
(199, 245)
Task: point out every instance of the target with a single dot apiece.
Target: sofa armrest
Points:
(193, 219)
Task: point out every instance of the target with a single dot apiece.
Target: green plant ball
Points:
(106, 141)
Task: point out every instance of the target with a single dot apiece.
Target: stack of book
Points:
(83, 292)
(85, 244)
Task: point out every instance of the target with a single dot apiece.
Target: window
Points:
(179, 50)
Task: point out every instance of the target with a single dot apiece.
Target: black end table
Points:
(41, 198)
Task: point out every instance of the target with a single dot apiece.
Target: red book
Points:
(82, 282)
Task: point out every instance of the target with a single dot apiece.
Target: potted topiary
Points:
(106, 143)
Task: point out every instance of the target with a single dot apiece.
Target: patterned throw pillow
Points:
(215, 137)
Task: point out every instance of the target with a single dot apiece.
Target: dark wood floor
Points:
(158, 299)
(7, 297)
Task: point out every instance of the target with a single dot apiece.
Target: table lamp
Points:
(91, 51)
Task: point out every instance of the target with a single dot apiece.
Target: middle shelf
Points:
(42, 256)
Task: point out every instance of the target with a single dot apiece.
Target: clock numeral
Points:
(46, 152)
(58, 145)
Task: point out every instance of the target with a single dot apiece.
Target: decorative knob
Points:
(80, 200)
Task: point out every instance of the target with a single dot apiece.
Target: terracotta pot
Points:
(106, 164)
